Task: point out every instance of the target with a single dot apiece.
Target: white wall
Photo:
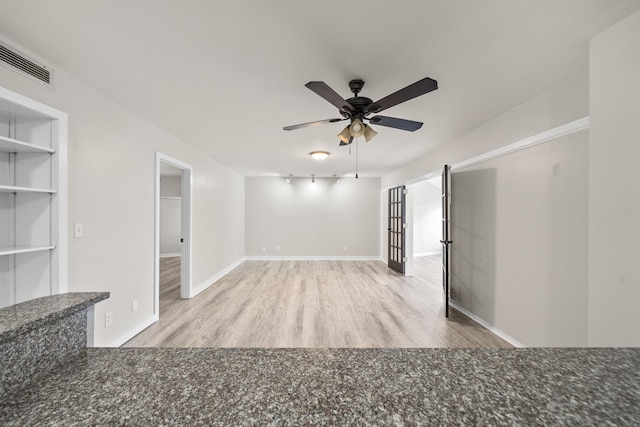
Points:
(609, 92)
(519, 227)
(561, 104)
(170, 226)
(111, 191)
(312, 220)
(170, 186)
(486, 281)
(614, 193)
(384, 224)
(427, 218)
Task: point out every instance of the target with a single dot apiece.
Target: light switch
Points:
(78, 230)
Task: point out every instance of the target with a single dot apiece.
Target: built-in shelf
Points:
(33, 199)
(14, 189)
(10, 145)
(13, 250)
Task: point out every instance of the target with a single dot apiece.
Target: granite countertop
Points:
(20, 318)
(200, 386)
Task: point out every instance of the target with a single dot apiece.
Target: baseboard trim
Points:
(169, 255)
(204, 285)
(488, 326)
(313, 258)
(133, 332)
(150, 321)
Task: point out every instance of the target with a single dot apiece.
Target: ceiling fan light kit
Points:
(345, 136)
(357, 128)
(369, 133)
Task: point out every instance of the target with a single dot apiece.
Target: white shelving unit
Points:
(33, 217)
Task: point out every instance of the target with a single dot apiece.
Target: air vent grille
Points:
(20, 63)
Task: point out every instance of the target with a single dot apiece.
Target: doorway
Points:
(424, 220)
(172, 230)
(427, 217)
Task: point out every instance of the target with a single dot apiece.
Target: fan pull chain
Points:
(357, 157)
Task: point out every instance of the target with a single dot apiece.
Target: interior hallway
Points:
(313, 304)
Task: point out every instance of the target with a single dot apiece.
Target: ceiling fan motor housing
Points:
(359, 103)
(356, 86)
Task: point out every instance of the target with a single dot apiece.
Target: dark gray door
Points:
(446, 236)
(396, 228)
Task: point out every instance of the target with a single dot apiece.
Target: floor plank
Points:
(325, 304)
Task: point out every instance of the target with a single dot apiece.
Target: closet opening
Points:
(172, 231)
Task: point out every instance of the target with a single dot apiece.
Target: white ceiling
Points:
(227, 76)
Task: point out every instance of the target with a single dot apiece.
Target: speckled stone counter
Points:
(39, 334)
(180, 386)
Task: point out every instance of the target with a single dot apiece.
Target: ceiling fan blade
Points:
(309, 124)
(416, 89)
(342, 143)
(323, 89)
(393, 122)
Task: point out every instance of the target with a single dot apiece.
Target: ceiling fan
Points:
(358, 108)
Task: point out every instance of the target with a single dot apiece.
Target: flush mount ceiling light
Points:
(319, 155)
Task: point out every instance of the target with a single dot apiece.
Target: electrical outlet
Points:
(108, 319)
(277, 248)
(78, 230)
(346, 248)
(134, 305)
(264, 249)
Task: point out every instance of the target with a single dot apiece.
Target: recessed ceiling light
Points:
(319, 155)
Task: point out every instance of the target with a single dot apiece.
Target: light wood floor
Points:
(169, 282)
(313, 304)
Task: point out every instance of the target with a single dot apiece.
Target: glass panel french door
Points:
(396, 229)
(446, 236)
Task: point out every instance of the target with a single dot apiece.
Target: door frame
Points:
(446, 237)
(185, 217)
